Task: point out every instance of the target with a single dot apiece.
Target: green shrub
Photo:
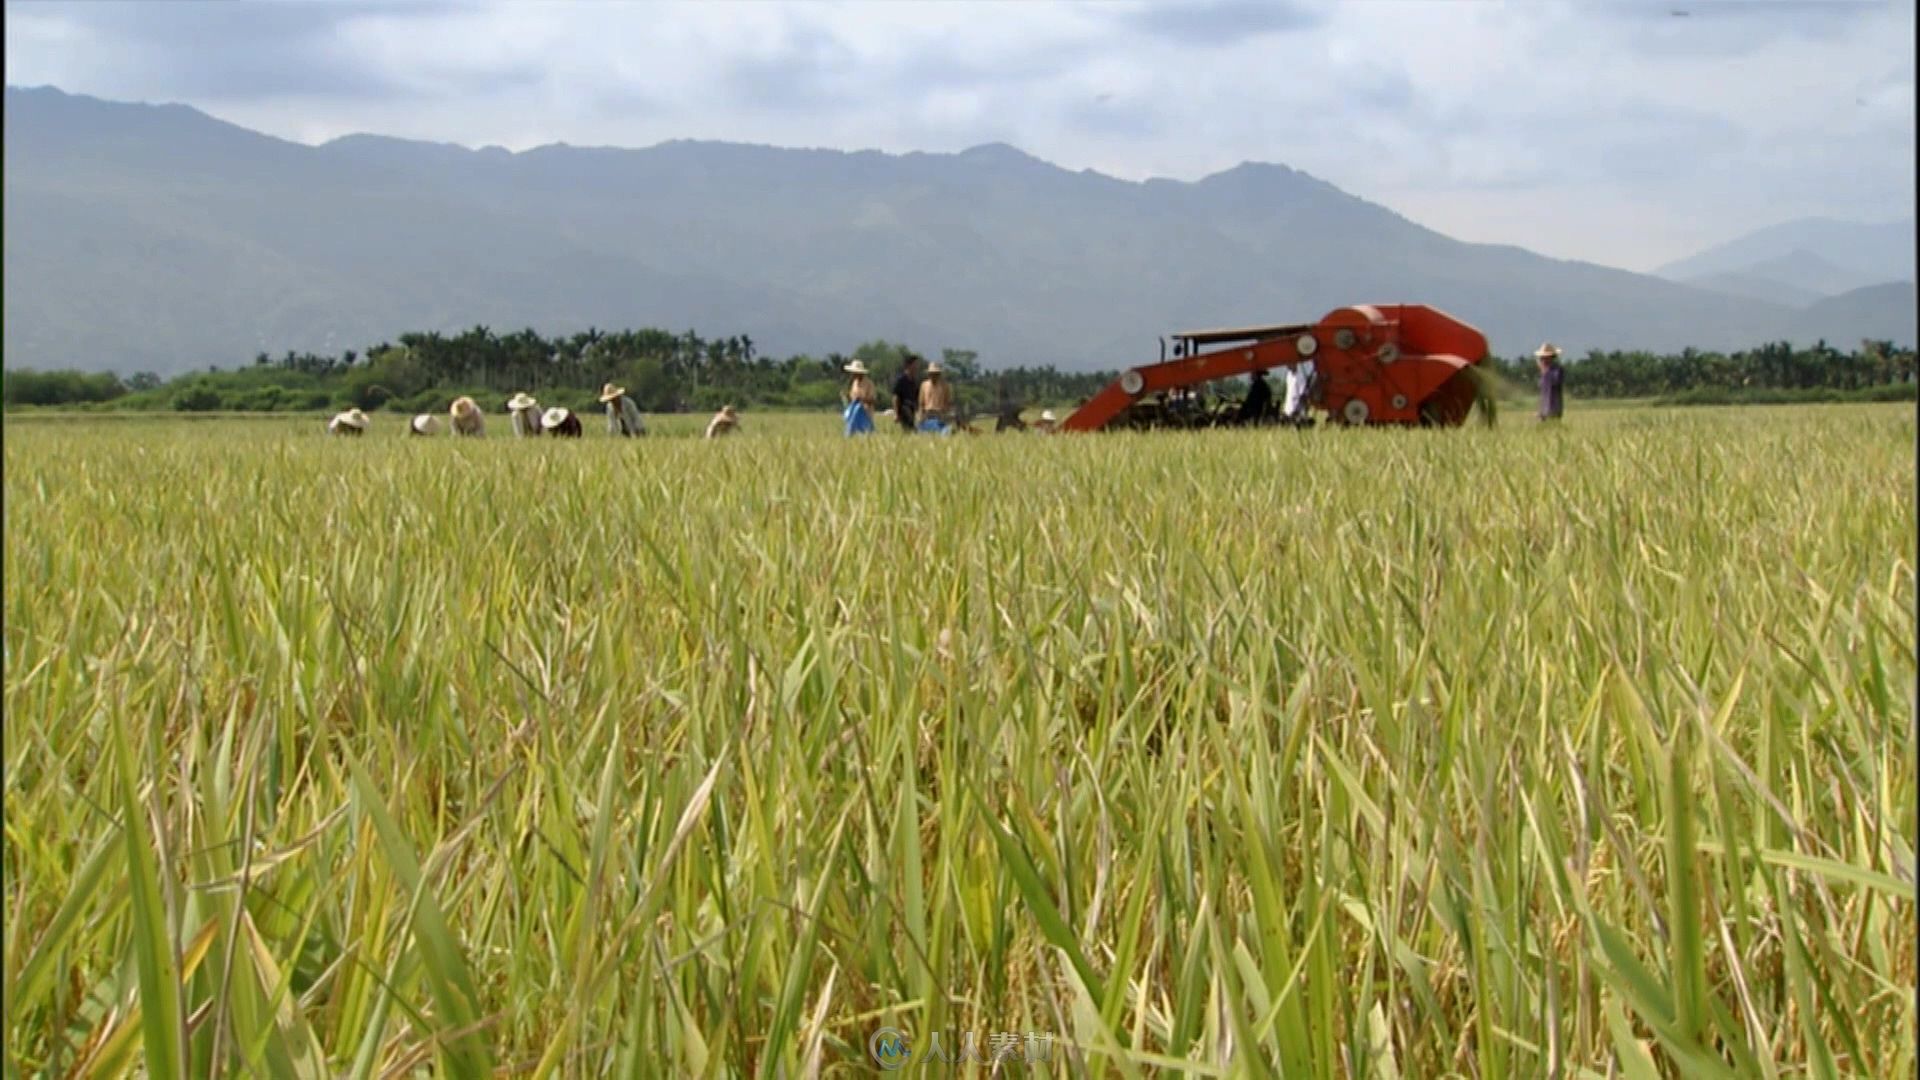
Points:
(197, 397)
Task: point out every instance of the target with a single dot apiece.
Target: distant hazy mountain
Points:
(155, 237)
(1808, 258)
(1758, 287)
(1877, 312)
(1796, 279)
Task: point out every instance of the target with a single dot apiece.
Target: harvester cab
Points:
(1372, 364)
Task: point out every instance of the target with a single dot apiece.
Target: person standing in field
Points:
(526, 415)
(467, 419)
(1552, 375)
(724, 422)
(351, 422)
(1259, 400)
(623, 416)
(1299, 382)
(936, 401)
(860, 399)
(906, 393)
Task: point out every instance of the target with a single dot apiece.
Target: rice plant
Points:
(1511, 751)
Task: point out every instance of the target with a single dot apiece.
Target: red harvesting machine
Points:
(1374, 364)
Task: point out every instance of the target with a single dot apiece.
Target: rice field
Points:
(1523, 752)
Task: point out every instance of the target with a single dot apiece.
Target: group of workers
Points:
(927, 406)
(466, 418)
(919, 406)
(1257, 406)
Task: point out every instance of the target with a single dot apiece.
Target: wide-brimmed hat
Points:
(353, 418)
(1547, 350)
(935, 368)
(610, 391)
(520, 401)
(1047, 415)
(463, 406)
(426, 424)
(728, 410)
(857, 368)
(553, 417)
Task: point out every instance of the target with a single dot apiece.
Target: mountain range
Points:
(154, 237)
(1800, 262)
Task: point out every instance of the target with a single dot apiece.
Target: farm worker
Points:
(906, 393)
(1259, 400)
(466, 417)
(623, 416)
(936, 401)
(351, 422)
(1299, 379)
(860, 397)
(526, 414)
(561, 422)
(724, 422)
(1551, 376)
(424, 424)
(1047, 424)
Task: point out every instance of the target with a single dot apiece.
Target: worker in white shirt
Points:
(1299, 383)
(623, 416)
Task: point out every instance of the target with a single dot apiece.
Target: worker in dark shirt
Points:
(1258, 402)
(906, 394)
(1551, 377)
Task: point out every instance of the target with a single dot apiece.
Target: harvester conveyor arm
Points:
(1280, 350)
(1378, 364)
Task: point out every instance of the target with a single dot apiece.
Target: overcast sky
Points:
(1624, 132)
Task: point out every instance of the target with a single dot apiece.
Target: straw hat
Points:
(935, 368)
(426, 424)
(727, 410)
(463, 406)
(1546, 351)
(857, 368)
(610, 392)
(352, 418)
(1047, 415)
(520, 401)
(553, 417)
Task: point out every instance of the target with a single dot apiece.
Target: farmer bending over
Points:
(623, 416)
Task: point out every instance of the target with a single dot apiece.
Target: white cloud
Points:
(1615, 132)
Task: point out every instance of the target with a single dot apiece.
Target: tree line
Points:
(663, 371)
(669, 372)
(1769, 372)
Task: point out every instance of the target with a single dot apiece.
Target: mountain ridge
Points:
(1864, 253)
(138, 243)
